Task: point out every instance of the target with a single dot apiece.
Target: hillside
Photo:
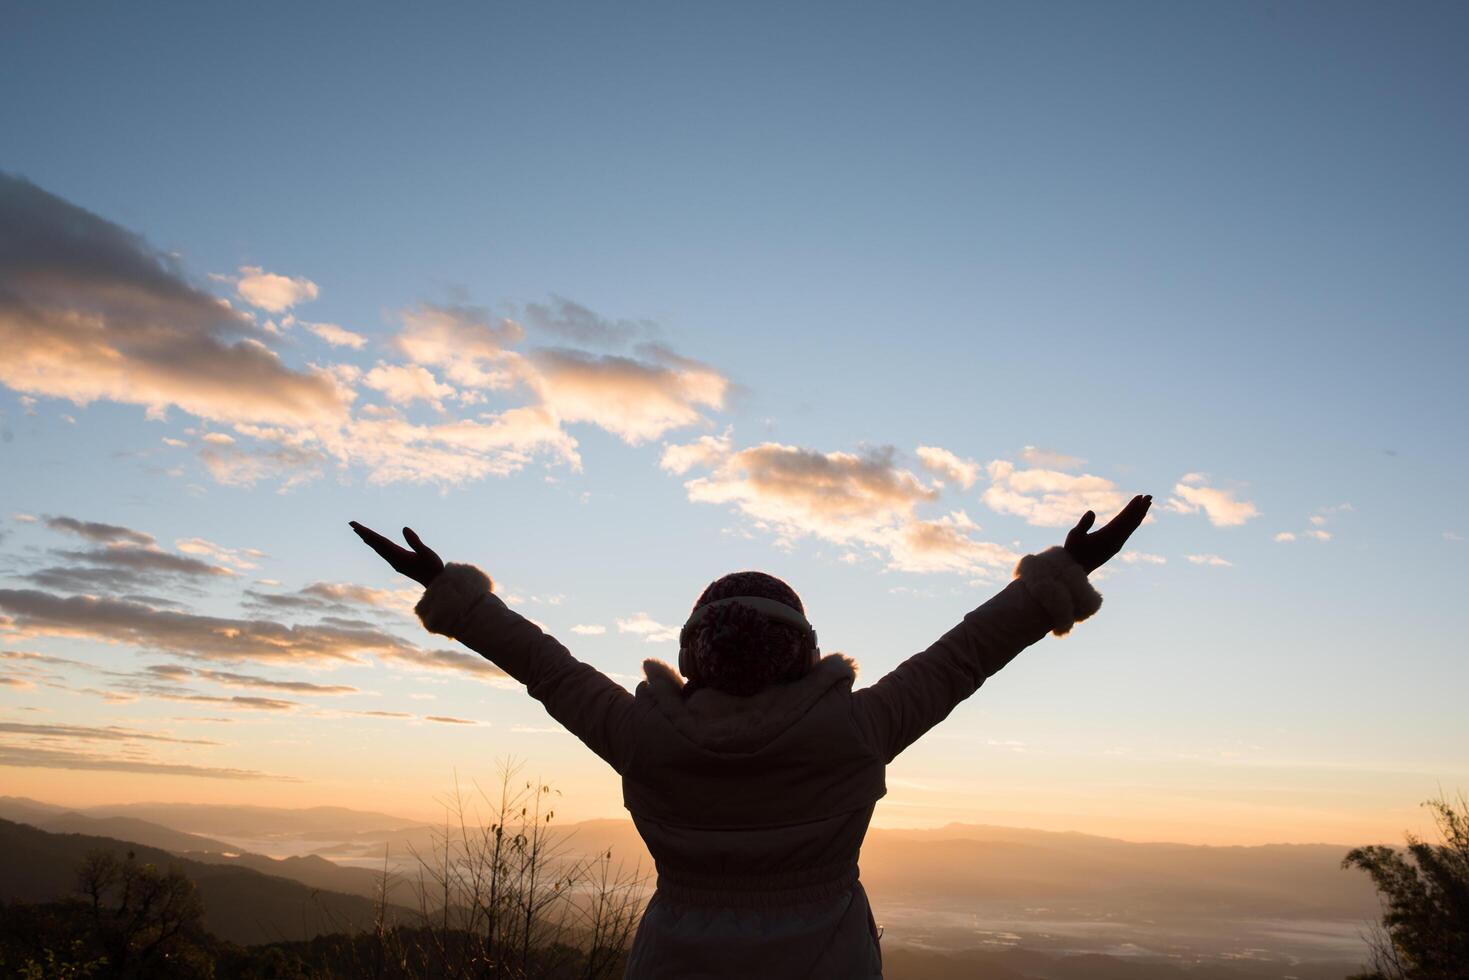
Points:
(241, 904)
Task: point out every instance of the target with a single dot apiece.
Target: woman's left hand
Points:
(421, 564)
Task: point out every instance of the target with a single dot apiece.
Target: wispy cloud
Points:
(99, 532)
(1213, 560)
(949, 466)
(571, 321)
(1318, 522)
(110, 733)
(1046, 459)
(271, 291)
(865, 499)
(1191, 495)
(641, 624)
(336, 336)
(36, 757)
(1049, 497)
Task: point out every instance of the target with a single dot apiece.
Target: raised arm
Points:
(458, 602)
(1050, 594)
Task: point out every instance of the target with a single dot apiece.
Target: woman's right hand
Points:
(1095, 549)
(421, 564)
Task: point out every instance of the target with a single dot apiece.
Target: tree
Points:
(1424, 889)
(149, 922)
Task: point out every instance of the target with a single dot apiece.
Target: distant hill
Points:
(128, 829)
(22, 810)
(250, 822)
(316, 872)
(241, 904)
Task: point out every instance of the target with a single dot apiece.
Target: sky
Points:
(611, 300)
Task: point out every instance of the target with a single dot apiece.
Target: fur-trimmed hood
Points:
(725, 723)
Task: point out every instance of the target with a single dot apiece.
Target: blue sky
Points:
(1212, 253)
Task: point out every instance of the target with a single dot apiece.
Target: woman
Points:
(752, 778)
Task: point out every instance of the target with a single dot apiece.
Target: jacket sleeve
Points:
(1050, 593)
(593, 707)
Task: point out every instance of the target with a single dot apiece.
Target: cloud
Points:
(1047, 497)
(1142, 558)
(101, 533)
(88, 311)
(147, 560)
(945, 545)
(337, 336)
(35, 613)
(574, 322)
(1045, 459)
(335, 597)
(1285, 536)
(272, 292)
(851, 499)
(394, 450)
(33, 757)
(641, 624)
(235, 467)
(838, 496)
(1221, 507)
(407, 383)
(706, 451)
(110, 733)
(448, 720)
(1214, 560)
(947, 465)
(174, 672)
(588, 629)
(465, 341)
(243, 558)
(634, 399)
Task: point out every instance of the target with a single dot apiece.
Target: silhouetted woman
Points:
(752, 777)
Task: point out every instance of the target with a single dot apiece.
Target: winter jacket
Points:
(754, 808)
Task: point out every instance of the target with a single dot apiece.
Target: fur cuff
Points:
(449, 595)
(1056, 580)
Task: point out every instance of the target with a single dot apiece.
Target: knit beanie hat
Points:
(739, 651)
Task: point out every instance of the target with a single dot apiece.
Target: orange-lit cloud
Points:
(1048, 497)
(336, 336)
(466, 342)
(948, 466)
(641, 624)
(855, 499)
(88, 312)
(1190, 495)
(271, 291)
(403, 384)
(636, 399)
(32, 756)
